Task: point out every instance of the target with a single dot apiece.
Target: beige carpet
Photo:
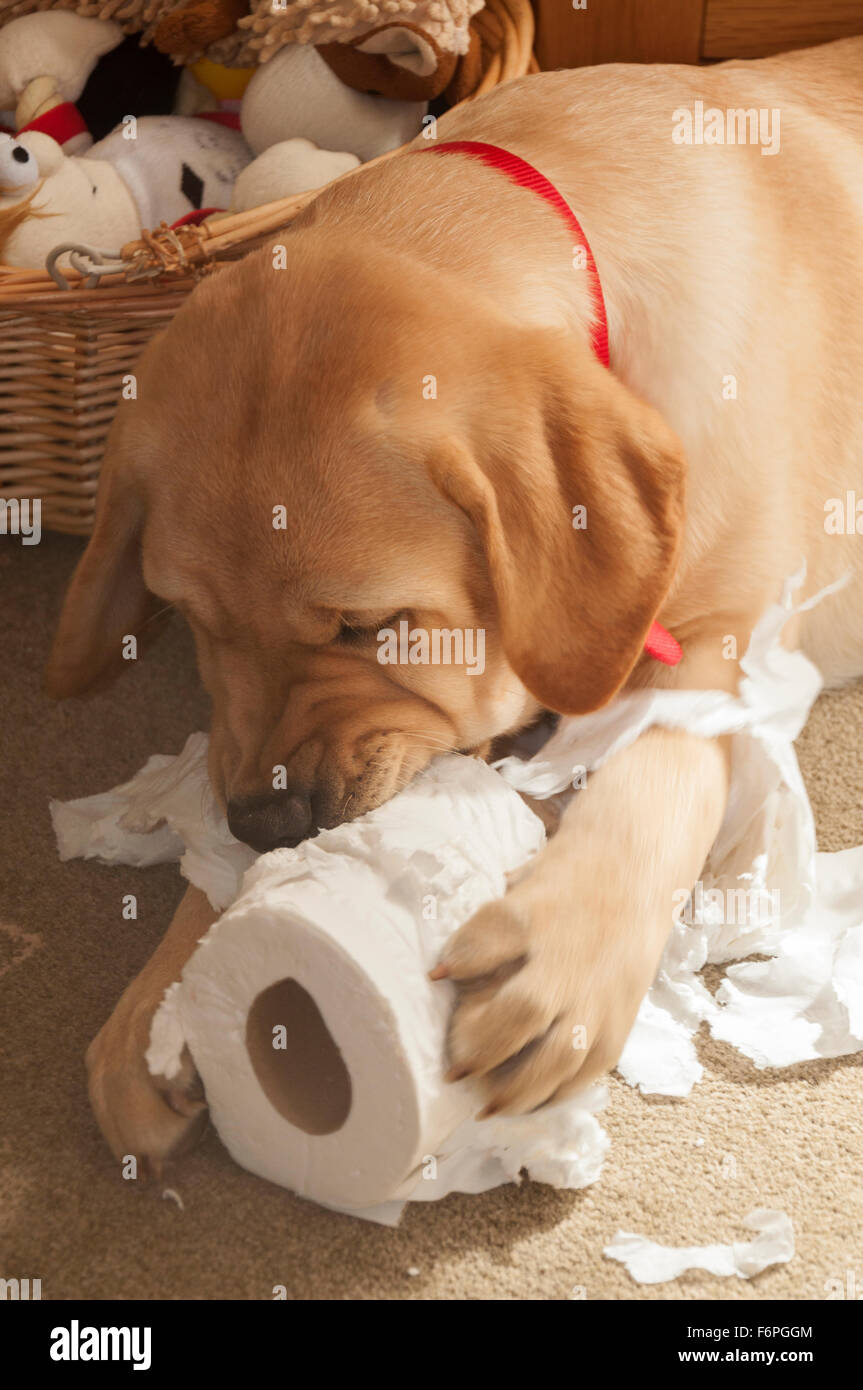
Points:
(683, 1172)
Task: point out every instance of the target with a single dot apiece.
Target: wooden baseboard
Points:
(685, 31)
(756, 28)
(617, 31)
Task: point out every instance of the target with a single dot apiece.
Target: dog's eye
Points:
(354, 633)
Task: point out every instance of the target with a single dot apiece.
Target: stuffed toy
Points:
(158, 169)
(289, 167)
(308, 127)
(45, 61)
(408, 50)
(335, 84)
(296, 94)
(417, 29)
(208, 86)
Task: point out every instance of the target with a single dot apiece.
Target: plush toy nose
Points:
(275, 820)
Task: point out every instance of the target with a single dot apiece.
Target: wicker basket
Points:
(65, 351)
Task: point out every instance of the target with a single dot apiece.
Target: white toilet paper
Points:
(333, 942)
(308, 1009)
(167, 811)
(651, 1263)
(804, 909)
(451, 837)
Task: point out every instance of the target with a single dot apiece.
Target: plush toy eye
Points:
(18, 167)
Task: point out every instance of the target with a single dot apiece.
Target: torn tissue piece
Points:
(763, 890)
(650, 1263)
(167, 811)
(164, 1055)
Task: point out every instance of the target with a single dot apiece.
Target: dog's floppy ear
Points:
(107, 599)
(576, 489)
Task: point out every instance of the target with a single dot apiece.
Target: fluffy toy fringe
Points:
(263, 31)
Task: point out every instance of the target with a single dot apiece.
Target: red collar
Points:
(660, 643)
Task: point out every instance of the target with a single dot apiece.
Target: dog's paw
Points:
(547, 994)
(150, 1118)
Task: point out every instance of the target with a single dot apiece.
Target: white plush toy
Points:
(45, 60)
(306, 126)
(156, 169)
(291, 166)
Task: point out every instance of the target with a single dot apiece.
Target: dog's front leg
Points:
(148, 1117)
(551, 976)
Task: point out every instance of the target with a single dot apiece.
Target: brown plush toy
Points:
(401, 62)
(194, 27)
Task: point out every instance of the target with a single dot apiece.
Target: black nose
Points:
(273, 821)
(20, 155)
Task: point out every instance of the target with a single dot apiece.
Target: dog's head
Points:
(397, 524)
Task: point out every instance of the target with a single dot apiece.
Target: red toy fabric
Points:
(61, 123)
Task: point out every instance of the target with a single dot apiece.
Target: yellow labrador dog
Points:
(411, 378)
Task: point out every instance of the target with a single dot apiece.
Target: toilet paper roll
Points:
(308, 1010)
(450, 838)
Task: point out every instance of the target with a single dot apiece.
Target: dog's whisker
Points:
(159, 614)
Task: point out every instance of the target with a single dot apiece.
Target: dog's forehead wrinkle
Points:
(311, 479)
(387, 308)
(280, 593)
